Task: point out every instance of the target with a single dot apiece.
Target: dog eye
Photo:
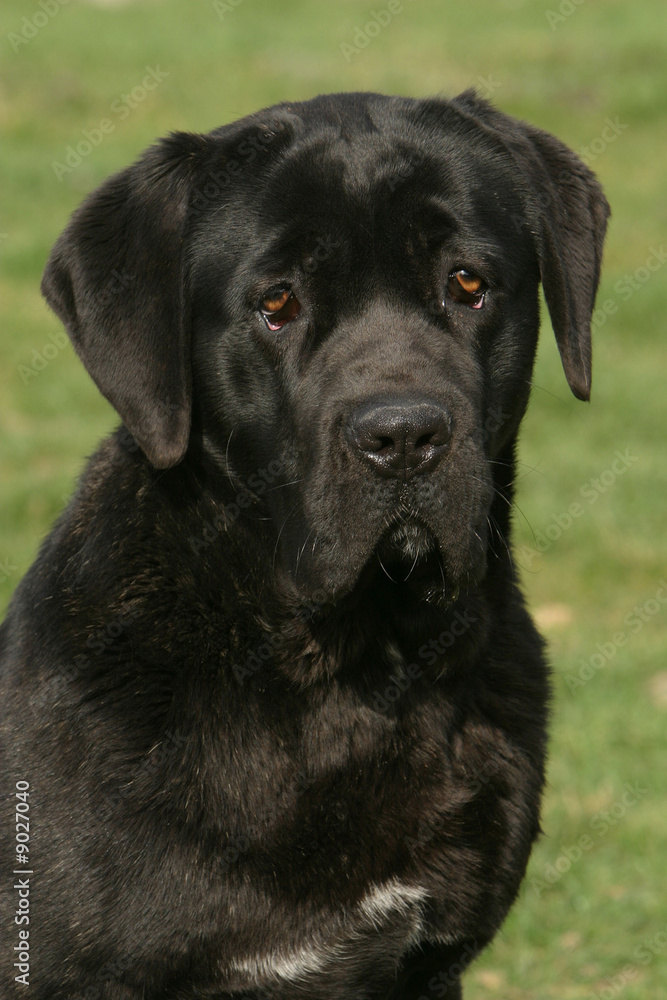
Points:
(467, 288)
(279, 306)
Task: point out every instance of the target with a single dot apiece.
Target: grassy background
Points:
(575, 932)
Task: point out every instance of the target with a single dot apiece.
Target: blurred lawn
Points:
(581, 927)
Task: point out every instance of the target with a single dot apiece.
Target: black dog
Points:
(273, 709)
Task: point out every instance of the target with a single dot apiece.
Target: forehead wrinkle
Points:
(359, 157)
(336, 182)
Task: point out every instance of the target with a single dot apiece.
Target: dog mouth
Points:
(409, 555)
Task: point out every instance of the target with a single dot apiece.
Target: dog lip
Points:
(408, 553)
(409, 539)
(410, 556)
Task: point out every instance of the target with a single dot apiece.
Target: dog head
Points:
(342, 292)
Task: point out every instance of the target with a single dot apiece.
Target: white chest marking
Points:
(339, 933)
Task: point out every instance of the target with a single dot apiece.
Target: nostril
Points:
(399, 436)
(425, 441)
(367, 440)
(436, 436)
(385, 444)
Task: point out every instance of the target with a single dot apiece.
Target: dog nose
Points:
(400, 436)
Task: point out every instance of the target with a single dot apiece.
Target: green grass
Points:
(605, 60)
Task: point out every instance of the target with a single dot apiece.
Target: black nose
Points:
(400, 436)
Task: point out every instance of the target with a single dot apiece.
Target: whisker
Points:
(554, 395)
(442, 574)
(230, 476)
(388, 575)
(494, 529)
(516, 507)
(411, 568)
(524, 465)
(302, 550)
(281, 486)
(275, 550)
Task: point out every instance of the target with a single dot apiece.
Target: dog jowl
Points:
(270, 683)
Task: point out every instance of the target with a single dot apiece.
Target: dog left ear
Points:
(567, 214)
(116, 279)
(572, 212)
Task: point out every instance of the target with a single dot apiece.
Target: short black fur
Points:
(277, 696)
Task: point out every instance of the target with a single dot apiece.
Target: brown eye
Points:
(279, 306)
(467, 288)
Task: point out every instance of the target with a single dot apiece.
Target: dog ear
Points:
(572, 212)
(116, 279)
(567, 213)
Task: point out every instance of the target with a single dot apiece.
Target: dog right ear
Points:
(572, 221)
(116, 279)
(567, 216)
